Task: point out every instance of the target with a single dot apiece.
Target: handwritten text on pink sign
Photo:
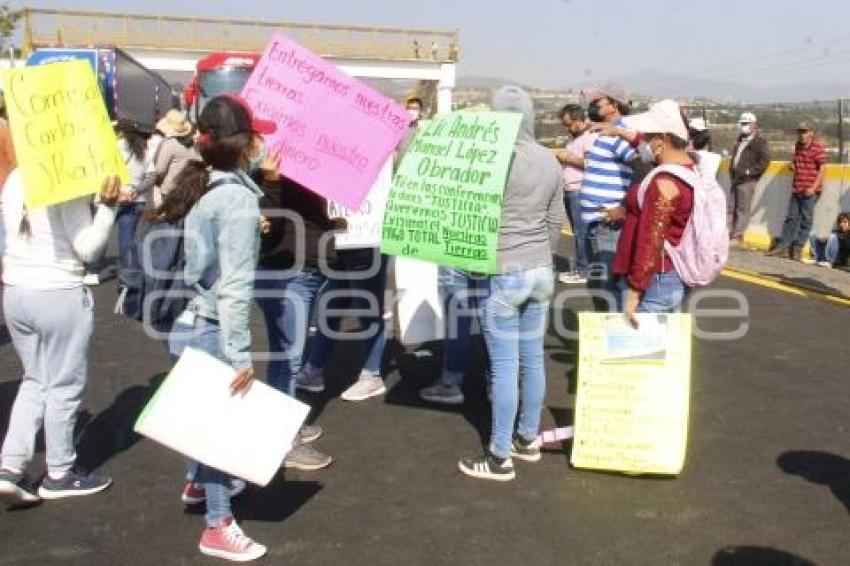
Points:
(334, 132)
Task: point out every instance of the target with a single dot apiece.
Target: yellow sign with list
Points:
(64, 141)
(633, 393)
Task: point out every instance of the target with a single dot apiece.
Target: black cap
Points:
(226, 116)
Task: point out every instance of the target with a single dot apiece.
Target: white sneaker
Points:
(310, 379)
(809, 261)
(826, 264)
(91, 280)
(572, 278)
(365, 387)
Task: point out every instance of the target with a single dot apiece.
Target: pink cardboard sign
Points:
(334, 132)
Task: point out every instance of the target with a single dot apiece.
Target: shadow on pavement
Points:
(566, 351)
(271, 504)
(4, 335)
(821, 468)
(757, 556)
(277, 501)
(416, 372)
(8, 391)
(339, 377)
(111, 431)
(808, 283)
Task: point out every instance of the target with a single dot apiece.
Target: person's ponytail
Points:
(190, 186)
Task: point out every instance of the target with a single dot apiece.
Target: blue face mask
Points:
(257, 162)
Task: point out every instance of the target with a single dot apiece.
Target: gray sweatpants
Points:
(50, 331)
(739, 208)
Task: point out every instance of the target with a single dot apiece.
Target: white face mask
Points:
(646, 153)
(657, 150)
(746, 129)
(413, 113)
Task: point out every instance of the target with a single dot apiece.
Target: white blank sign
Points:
(194, 413)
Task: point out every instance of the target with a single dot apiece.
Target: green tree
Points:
(8, 22)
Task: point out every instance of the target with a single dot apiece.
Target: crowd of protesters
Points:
(627, 183)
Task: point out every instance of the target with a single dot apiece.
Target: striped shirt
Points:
(607, 175)
(807, 163)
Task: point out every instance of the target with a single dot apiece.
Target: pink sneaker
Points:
(229, 542)
(193, 493)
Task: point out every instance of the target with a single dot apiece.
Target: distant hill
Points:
(472, 81)
(655, 83)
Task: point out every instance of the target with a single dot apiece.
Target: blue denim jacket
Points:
(222, 242)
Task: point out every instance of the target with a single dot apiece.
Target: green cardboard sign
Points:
(445, 205)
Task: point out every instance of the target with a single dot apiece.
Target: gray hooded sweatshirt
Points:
(532, 209)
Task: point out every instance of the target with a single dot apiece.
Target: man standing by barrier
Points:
(750, 159)
(572, 158)
(809, 167)
(607, 175)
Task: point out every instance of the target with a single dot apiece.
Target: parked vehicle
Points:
(131, 90)
(217, 74)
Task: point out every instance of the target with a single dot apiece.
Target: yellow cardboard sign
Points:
(633, 393)
(64, 142)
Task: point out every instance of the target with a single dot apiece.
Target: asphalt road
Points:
(767, 479)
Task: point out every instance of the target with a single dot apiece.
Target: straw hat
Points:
(174, 125)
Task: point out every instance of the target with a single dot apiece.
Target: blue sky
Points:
(556, 43)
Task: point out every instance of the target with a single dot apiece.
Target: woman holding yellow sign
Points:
(49, 316)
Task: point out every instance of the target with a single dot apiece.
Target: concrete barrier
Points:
(773, 192)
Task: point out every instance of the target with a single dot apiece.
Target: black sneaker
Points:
(488, 467)
(73, 484)
(15, 490)
(527, 450)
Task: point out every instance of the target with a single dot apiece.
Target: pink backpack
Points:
(704, 247)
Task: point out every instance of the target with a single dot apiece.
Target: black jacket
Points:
(754, 160)
(312, 243)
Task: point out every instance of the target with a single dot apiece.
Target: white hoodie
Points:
(61, 238)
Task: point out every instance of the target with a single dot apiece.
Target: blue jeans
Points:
(287, 303)
(127, 220)
(602, 240)
(572, 204)
(363, 274)
(665, 294)
(514, 318)
(460, 293)
(824, 250)
(798, 223)
(204, 336)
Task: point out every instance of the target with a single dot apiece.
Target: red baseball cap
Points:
(228, 115)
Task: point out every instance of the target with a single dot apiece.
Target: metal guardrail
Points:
(50, 28)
